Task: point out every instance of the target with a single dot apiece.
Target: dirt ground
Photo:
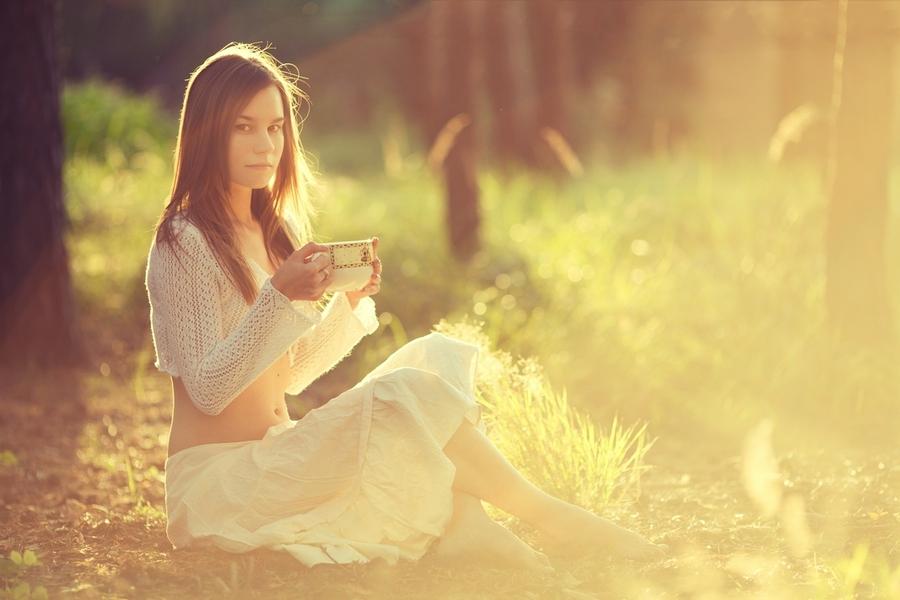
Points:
(81, 486)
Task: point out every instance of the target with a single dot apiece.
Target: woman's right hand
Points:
(303, 278)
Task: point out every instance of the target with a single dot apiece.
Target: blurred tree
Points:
(805, 35)
(550, 41)
(502, 87)
(452, 111)
(158, 43)
(37, 308)
(657, 71)
(856, 287)
(599, 31)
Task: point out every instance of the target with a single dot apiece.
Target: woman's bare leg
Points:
(483, 472)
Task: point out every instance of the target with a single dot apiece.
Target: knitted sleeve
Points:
(326, 344)
(187, 324)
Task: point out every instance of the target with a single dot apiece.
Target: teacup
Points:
(351, 263)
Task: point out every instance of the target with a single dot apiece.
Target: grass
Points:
(557, 447)
(691, 291)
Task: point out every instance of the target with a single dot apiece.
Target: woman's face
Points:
(257, 139)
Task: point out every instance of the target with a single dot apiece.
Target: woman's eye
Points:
(245, 128)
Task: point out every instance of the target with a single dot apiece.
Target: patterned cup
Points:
(352, 264)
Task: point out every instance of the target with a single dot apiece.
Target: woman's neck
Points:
(239, 205)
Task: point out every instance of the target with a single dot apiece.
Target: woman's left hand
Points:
(374, 285)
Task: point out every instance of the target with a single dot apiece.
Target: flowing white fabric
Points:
(359, 478)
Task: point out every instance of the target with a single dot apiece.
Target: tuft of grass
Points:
(860, 574)
(558, 447)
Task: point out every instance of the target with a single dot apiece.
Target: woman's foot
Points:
(489, 545)
(573, 530)
(473, 538)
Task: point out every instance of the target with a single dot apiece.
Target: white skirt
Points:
(362, 477)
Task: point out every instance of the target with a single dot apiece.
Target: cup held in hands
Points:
(351, 263)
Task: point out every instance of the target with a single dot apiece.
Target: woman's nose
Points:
(265, 144)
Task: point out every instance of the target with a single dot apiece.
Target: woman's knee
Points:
(412, 376)
(432, 342)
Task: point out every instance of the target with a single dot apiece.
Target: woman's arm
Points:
(323, 347)
(187, 324)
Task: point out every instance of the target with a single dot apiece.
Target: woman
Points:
(394, 467)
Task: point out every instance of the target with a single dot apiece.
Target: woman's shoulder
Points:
(184, 228)
(184, 255)
(183, 238)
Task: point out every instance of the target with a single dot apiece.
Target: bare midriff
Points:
(247, 417)
(253, 411)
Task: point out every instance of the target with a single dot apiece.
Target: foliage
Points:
(101, 118)
(14, 569)
(8, 459)
(687, 292)
(863, 573)
(155, 38)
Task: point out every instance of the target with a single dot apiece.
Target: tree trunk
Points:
(499, 83)
(629, 70)
(451, 81)
(805, 35)
(856, 289)
(37, 307)
(550, 41)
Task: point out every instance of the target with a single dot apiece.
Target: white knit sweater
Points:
(205, 333)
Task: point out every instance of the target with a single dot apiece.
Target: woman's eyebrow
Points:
(252, 119)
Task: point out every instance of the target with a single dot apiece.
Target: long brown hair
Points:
(216, 92)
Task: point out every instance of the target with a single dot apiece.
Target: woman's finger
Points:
(321, 261)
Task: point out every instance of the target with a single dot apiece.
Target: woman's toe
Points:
(544, 562)
(650, 551)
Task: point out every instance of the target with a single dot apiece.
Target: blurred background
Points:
(684, 214)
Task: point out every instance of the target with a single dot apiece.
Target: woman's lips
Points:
(259, 167)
